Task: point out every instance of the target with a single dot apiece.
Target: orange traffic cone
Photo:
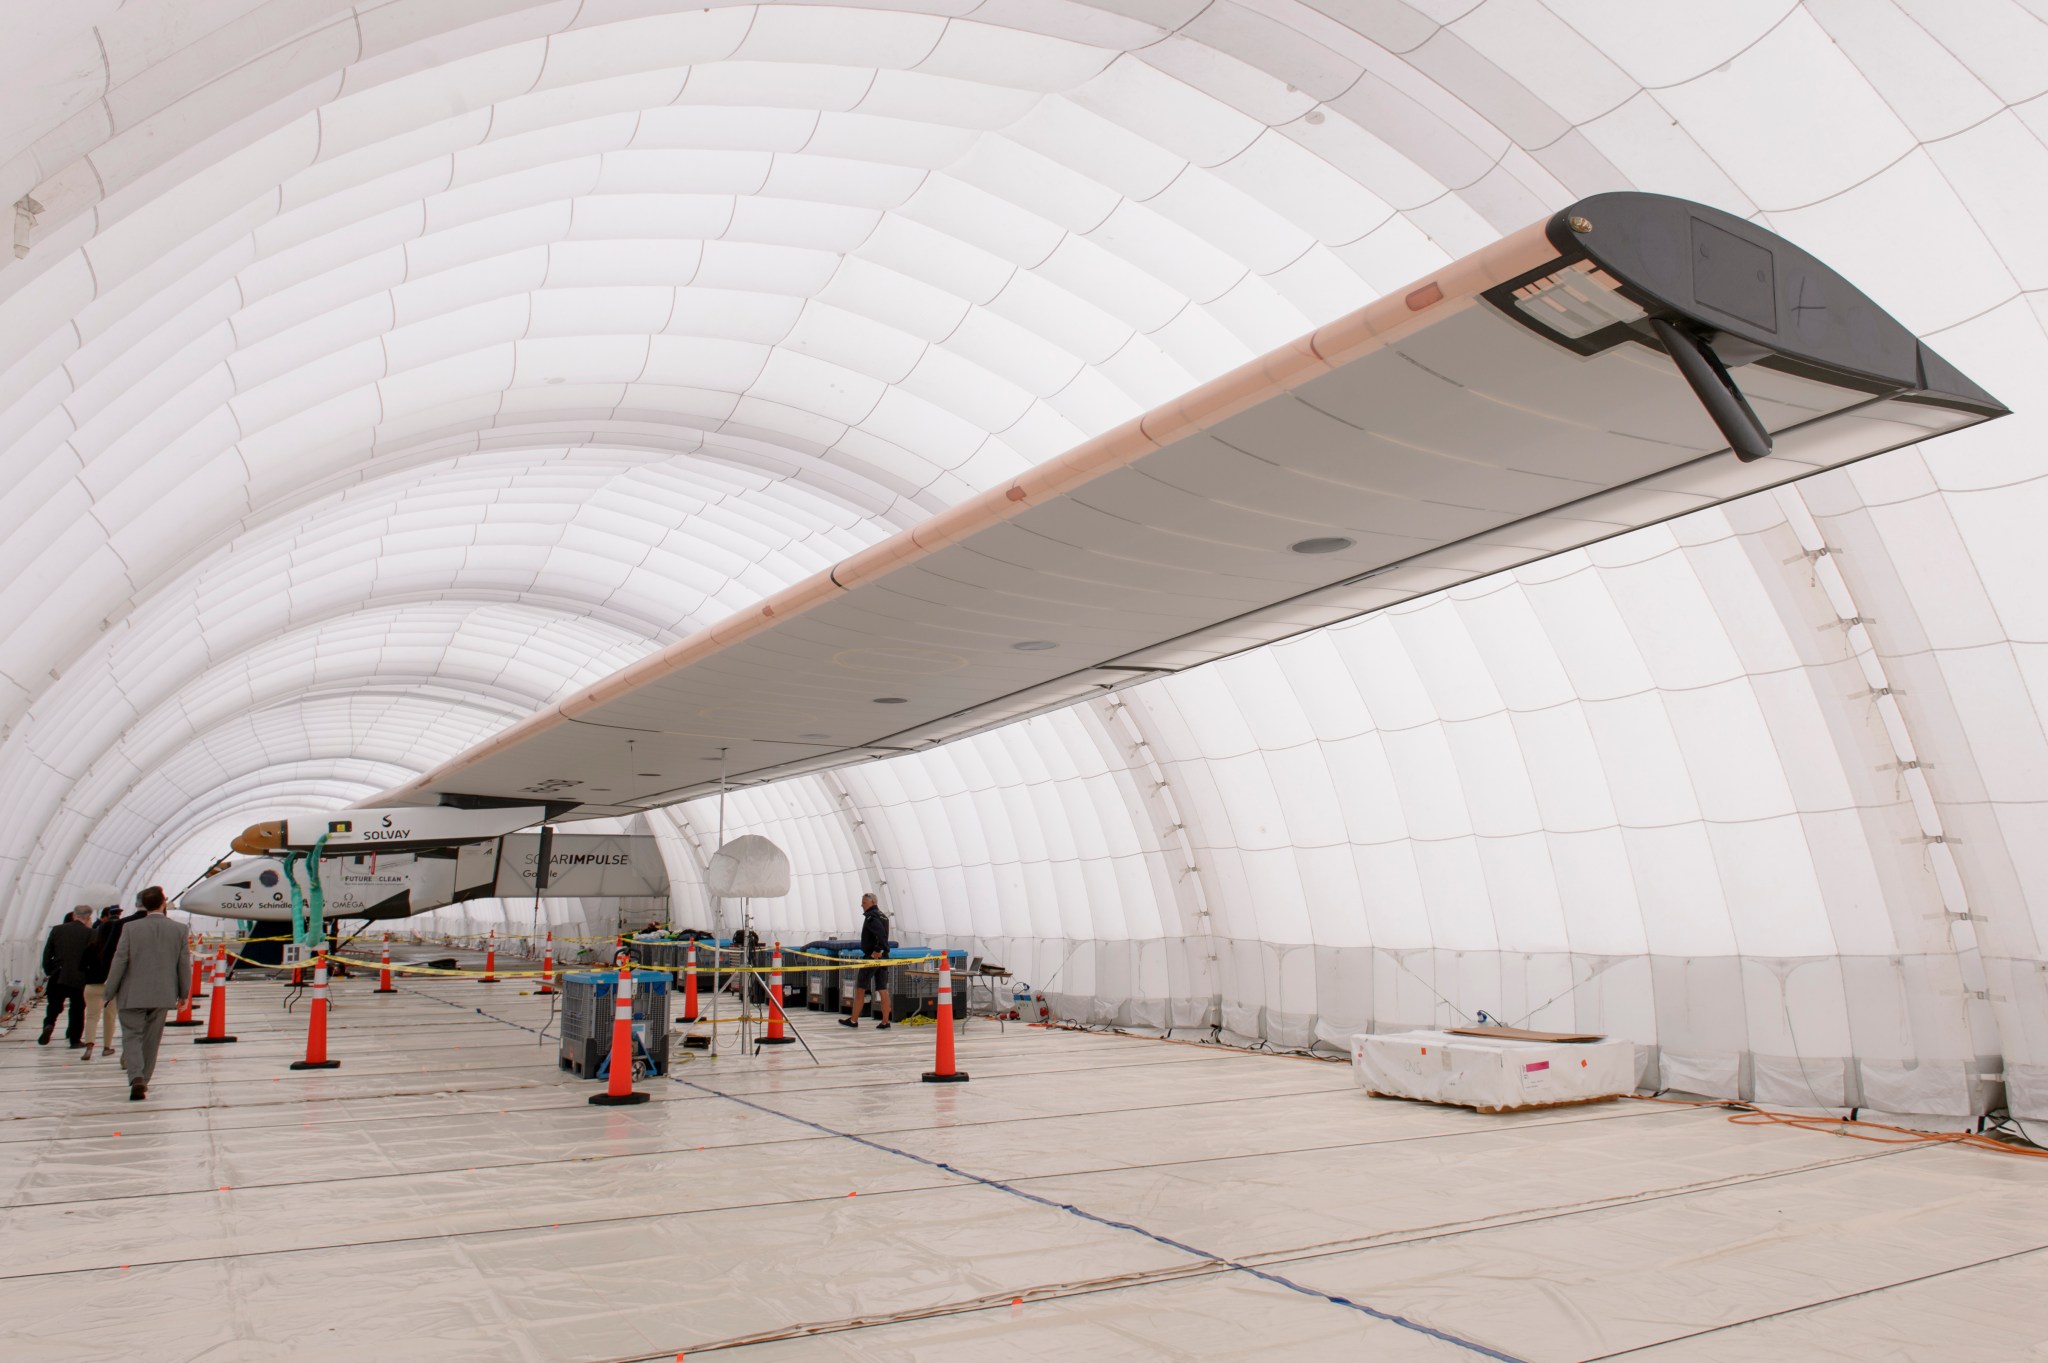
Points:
(316, 1022)
(619, 1092)
(547, 969)
(776, 1017)
(945, 1073)
(491, 960)
(384, 969)
(217, 1006)
(184, 1017)
(690, 984)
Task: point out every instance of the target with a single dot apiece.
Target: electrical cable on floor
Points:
(1749, 1114)
(2001, 1119)
(553, 998)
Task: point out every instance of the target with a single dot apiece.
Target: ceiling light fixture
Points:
(1325, 544)
(892, 700)
(1034, 645)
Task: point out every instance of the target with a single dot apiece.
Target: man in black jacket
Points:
(64, 961)
(874, 946)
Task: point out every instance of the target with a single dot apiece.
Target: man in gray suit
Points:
(150, 975)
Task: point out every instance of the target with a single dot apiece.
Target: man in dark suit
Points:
(64, 953)
(150, 975)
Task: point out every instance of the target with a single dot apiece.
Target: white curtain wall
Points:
(374, 373)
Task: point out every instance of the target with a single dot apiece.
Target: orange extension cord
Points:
(1748, 1114)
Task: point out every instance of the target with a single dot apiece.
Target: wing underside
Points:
(1623, 364)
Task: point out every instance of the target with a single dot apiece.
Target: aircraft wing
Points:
(1632, 359)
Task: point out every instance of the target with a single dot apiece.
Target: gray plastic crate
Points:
(588, 1002)
(821, 991)
(914, 988)
(663, 954)
(796, 980)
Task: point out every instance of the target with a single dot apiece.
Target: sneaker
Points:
(137, 1092)
(881, 1026)
(848, 1022)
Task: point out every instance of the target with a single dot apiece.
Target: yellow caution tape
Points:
(467, 942)
(912, 963)
(408, 939)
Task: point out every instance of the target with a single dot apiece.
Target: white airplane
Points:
(1631, 359)
(385, 885)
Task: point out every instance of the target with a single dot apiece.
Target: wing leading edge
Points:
(1630, 360)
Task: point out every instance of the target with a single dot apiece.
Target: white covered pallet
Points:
(1492, 1074)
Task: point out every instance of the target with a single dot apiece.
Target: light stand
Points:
(717, 920)
(745, 937)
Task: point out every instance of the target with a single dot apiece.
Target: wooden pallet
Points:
(1495, 1111)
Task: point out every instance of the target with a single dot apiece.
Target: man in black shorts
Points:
(874, 945)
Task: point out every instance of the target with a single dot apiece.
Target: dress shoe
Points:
(44, 1039)
(74, 1045)
(137, 1092)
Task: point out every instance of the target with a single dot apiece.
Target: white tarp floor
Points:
(449, 1195)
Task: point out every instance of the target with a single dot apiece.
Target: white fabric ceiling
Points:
(376, 373)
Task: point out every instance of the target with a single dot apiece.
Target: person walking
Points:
(64, 952)
(151, 973)
(100, 1013)
(874, 946)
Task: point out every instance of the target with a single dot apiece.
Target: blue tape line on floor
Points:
(1068, 1207)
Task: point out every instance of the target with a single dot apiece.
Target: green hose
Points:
(318, 924)
(291, 880)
